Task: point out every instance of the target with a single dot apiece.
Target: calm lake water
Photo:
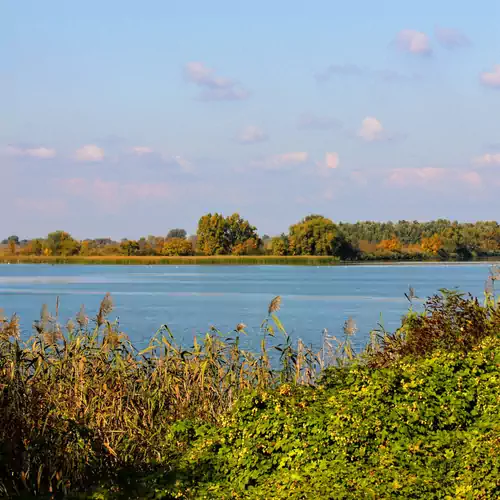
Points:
(190, 299)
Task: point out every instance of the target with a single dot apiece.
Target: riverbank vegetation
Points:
(233, 236)
(414, 415)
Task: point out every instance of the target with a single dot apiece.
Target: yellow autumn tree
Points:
(392, 245)
(432, 244)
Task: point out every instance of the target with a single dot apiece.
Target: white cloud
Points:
(41, 152)
(186, 165)
(413, 41)
(141, 150)
(411, 176)
(252, 135)
(452, 38)
(491, 78)
(331, 160)
(215, 88)
(371, 129)
(284, 160)
(472, 179)
(90, 152)
(488, 159)
(434, 178)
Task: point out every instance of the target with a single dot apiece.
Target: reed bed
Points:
(80, 402)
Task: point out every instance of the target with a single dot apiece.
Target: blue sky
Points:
(126, 118)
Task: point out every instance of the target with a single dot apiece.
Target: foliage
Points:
(419, 429)
(450, 321)
(392, 245)
(314, 235)
(61, 243)
(280, 245)
(219, 235)
(177, 246)
(177, 233)
(129, 247)
(433, 244)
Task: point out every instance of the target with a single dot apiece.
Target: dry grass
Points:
(80, 403)
(152, 260)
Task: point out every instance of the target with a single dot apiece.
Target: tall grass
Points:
(79, 401)
(161, 260)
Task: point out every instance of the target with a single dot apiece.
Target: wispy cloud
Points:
(309, 121)
(214, 88)
(415, 176)
(252, 135)
(142, 150)
(452, 38)
(473, 179)
(90, 153)
(413, 41)
(487, 160)
(39, 152)
(185, 164)
(281, 161)
(353, 70)
(434, 178)
(491, 78)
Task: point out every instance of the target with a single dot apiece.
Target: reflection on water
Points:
(192, 298)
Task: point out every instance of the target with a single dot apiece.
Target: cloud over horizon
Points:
(39, 152)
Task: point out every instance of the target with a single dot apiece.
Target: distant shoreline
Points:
(299, 260)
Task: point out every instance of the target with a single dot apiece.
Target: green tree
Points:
(61, 243)
(37, 246)
(218, 235)
(177, 247)
(313, 235)
(129, 247)
(279, 245)
(177, 233)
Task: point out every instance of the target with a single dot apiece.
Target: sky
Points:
(126, 118)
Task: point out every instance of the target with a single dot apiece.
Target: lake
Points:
(190, 299)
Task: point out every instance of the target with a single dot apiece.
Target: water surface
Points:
(190, 299)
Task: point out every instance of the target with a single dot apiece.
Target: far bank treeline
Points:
(314, 235)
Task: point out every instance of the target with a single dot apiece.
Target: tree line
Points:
(314, 235)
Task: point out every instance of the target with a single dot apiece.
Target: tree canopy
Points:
(219, 235)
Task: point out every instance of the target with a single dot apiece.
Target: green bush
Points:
(419, 429)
